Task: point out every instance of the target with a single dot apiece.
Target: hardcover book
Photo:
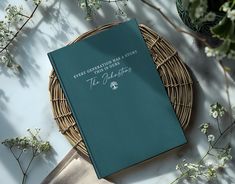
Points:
(117, 98)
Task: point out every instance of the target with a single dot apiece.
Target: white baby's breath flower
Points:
(231, 14)
(217, 110)
(211, 138)
(210, 17)
(83, 5)
(199, 12)
(215, 114)
(177, 167)
(225, 7)
(209, 52)
(204, 128)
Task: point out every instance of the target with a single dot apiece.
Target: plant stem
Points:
(181, 176)
(23, 15)
(218, 125)
(203, 40)
(17, 159)
(24, 172)
(208, 151)
(23, 25)
(27, 168)
(20, 154)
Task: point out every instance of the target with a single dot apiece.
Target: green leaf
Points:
(224, 30)
(224, 47)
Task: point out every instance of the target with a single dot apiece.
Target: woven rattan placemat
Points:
(173, 72)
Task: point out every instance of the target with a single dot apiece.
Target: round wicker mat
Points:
(173, 72)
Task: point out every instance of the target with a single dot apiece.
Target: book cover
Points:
(117, 98)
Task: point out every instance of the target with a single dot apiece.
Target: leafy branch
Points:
(8, 32)
(221, 154)
(176, 27)
(200, 169)
(28, 144)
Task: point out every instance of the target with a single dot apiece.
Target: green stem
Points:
(180, 177)
(17, 159)
(208, 151)
(218, 125)
(20, 154)
(24, 172)
(23, 15)
(27, 168)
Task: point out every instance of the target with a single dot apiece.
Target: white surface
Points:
(24, 100)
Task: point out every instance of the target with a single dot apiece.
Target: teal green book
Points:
(117, 98)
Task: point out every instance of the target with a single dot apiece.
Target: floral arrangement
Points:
(201, 11)
(216, 157)
(29, 145)
(219, 152)
(9, 30)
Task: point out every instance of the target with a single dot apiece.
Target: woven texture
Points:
(173, 73)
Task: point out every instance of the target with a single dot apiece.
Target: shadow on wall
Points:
(7, 161)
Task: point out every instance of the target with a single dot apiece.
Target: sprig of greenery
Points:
(221, 155)
(91, 6)
(9, 31)
(198, 11)
(173, 25)
(32, 144)
(224, 30)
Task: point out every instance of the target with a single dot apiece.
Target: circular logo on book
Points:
(113, 85)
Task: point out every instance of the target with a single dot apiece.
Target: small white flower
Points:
(199, 12)
(204, 128)
(177, 167)
(209, 52)
(221, 113)
(231, 14)
(217, 110)
(226, 7)
(215, 114)
(210, 17)
(82, 5)
(211, 138)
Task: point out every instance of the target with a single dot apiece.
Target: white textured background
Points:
(24, 100)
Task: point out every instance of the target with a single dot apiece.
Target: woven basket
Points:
(173, 72)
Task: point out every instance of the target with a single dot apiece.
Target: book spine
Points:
(75, 116)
